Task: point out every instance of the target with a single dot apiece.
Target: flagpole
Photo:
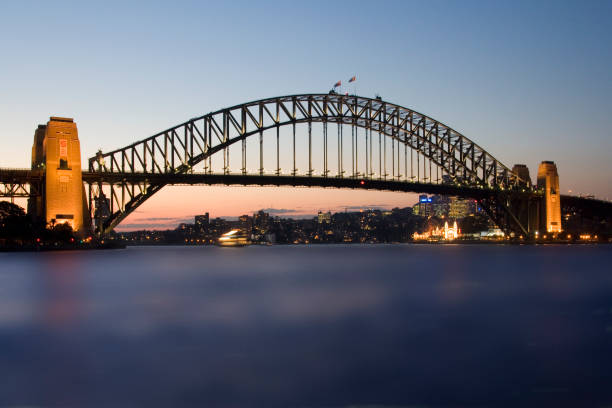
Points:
(353, 79)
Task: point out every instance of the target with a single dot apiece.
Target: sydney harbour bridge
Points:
(312, 140)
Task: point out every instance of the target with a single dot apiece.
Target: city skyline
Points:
(527, 94)
(283, 204)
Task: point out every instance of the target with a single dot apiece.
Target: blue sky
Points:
(527, 80)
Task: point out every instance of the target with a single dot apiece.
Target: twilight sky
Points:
(527, 80)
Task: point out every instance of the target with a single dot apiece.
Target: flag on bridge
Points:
(353, 79)
(337, 84)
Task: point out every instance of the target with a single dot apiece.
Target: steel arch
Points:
(178, 149)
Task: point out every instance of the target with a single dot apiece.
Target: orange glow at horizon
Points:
(176, 204)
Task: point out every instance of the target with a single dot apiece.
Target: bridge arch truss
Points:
(334, 137)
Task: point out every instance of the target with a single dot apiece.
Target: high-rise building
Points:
(461, 208)
(245, 223)
(261, 222)
(435, 205)
(424, 208)
(202, 221)
(440, 205)
(548, 179)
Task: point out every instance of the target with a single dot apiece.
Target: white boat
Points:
(234, 238)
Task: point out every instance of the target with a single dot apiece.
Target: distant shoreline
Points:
(116, 245)
(63, 247)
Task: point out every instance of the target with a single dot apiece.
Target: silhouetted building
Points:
(245, 224)
(202, 222)
(261, 222)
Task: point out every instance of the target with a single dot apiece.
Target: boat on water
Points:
(234, 237)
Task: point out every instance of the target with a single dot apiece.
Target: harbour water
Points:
(308, 326)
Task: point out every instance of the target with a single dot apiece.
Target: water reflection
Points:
(61, 291)
(307, 326)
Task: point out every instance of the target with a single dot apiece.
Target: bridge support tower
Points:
(56, 153)
(541, 213)
(525, 207)
(548, 180)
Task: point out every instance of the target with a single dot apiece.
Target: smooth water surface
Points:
(304, 326)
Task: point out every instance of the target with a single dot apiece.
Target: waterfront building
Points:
(218, 226)
(446, 233)
(451, 233)
(185, 228)
(261, 222)
(202, 221)
(492, 233)
(324, 217)
(245, 223)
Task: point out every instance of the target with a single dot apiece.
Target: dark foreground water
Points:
(299, 326)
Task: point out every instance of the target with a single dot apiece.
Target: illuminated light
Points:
(233, 238)
(362, 182)
(71, 239)
(37, 239)
(447, 233)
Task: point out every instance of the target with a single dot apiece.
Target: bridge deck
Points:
(19, 175)
(27, 176)
(288, 180)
